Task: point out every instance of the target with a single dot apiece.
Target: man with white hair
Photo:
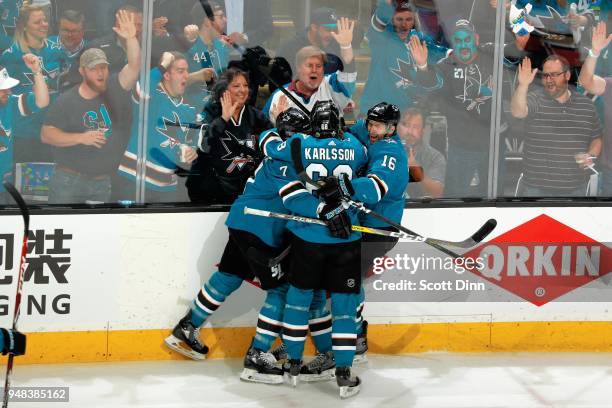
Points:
(312, 85)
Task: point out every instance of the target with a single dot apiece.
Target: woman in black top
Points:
(229, 149)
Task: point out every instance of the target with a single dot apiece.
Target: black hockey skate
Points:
(348, 386)
(259, 367)
(185, 339)
(292, 368)
(280, 354)
(362, 345)
(320, 368)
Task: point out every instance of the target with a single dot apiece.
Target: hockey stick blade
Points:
(484, 231)
(475, 239)
(24, 249)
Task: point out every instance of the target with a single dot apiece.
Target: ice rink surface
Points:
(423, 380)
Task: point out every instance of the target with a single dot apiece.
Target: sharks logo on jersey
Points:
(53, 63)
(405, 72)
(476, 90)
(236, 161)
(174, 131)
(8, 18)
(552, 18)
(49, 74)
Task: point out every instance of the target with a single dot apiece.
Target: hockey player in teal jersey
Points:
(381, 189)
(262, 191)
(253, 241)
(169, 132)
(324, 257)
(14, 108)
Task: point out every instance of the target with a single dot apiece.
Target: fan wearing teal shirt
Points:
(31, 38)
(393, 71)
(208, 51)
(12, 109)
(170, 131)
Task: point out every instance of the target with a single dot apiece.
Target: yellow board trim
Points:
(135, 345)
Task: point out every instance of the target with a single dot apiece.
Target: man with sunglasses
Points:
(561, 125)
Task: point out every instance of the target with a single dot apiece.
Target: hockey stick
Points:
(356, 228)
(440, 244)
(260, 258)
(24, 248)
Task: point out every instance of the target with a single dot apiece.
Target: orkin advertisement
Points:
(141, 271)
(542, 260)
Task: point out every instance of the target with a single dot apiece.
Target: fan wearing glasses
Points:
(561, 125)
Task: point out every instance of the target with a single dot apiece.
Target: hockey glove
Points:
(336, 189)
(337, 220)
(14, 342)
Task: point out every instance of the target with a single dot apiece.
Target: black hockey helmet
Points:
(325, 119)
(291, 121)
(385, 113)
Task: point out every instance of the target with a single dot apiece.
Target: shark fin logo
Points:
(173, 130)
(405, 72)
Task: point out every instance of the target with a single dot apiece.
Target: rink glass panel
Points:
(470, 126)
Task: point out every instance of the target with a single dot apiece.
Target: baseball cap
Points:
(92, 57)
(6, 82)
(464, 24)
(404, 5)
(204, 9)
(324, 16)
